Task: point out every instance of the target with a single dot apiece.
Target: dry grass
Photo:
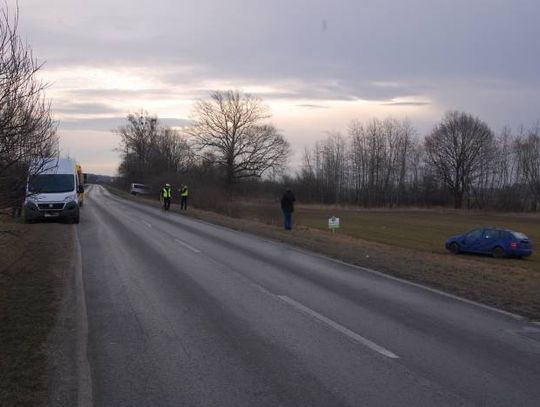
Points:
(404, 243)
(421, 230)
(32, 260)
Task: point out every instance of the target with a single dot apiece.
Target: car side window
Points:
(474, 235)
(491, 234)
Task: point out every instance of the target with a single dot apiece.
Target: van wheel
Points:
(454, 248)
(498, 252)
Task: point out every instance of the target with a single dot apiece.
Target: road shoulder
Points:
(70, 381)
(33, 267)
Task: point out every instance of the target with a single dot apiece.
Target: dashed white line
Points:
(261, 288)
(146, 223)
(340, 328)
(187, 246)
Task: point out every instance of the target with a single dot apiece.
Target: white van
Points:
(53, 190)
(140, 189)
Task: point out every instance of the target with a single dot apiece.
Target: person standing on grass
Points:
(184, 192)
(166, 195)
(287, 206)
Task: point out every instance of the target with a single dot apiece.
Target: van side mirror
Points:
(80, 189)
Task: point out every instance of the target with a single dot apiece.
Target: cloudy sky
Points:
(318, 64)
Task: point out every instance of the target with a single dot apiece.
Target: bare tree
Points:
(27, 129)
(380, 155)
(232, 126)
(149, 150)
(528, 152)
(325, 169)
(457, 148)
(137, 138)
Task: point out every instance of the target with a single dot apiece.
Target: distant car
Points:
(494, 241)
(141, 189)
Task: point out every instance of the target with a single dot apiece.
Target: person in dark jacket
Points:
(184, 192)
(287, 206)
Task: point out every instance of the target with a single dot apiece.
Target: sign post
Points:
(333, 223)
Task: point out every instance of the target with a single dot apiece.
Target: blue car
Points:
(494, 241)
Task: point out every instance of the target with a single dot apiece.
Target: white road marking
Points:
(146, 223)
(340, 328)
(261, 288)
(403, 281)
(187, 246)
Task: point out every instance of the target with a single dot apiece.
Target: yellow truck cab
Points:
(80, 177)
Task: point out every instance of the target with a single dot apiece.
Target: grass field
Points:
(417, 229)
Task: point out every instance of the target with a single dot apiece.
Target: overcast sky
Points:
(318, 64)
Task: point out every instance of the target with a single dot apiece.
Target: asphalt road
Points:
(184, 313)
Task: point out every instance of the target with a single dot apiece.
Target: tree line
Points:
(231, 146)
(27, 128)
(230, 143)
(460, 163)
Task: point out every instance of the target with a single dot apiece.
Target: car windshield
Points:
(519, 236)
(51, 183)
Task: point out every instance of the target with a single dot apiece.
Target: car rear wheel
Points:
(498, 252)
(454, 248)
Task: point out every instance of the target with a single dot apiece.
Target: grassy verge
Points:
(31, 267)
(415, 229)
(404, 243)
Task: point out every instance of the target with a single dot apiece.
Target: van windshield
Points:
(51, 183)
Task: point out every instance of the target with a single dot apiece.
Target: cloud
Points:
(419, 57)
(312, 106)
(64, 107)
(112, 123)
(406, 103)
(121, 93)
(368, 40)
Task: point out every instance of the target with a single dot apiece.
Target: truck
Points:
(54, 190)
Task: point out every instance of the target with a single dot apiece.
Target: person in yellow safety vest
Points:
(166, 194)
(184, 192)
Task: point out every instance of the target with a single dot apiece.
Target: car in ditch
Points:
(497, 242)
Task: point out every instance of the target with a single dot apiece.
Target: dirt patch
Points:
(509, 284)
(32, 262)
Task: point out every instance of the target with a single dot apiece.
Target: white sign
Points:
(333, 223)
